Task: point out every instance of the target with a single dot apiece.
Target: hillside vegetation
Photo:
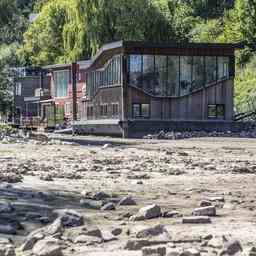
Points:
(69, 30)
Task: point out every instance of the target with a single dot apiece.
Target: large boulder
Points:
(47, 247)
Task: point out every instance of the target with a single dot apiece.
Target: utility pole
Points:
(74, 94)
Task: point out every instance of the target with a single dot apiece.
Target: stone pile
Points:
(198, 134)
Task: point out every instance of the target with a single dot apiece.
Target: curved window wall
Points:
(109, 75)
(176, 76)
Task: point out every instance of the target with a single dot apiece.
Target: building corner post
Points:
(125, 126)
(74, 95)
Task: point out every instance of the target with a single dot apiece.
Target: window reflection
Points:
(185, 74)
(149, 78)
(172, 88)
(211, 69)
(135, 70)
(161, 75)
(198, 73)
(223, 68)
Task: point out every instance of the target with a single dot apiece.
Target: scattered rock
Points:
(55, 227)
(31, 239)
(6, 247)
(205, 203)
(152, 231)
(196, 220)
(231, 248)
(147, 212)
(89, 240)
(100, 196)
(90, 204)
(127, 201)
(46, 177)
(154, 251)
(116, 231)
(252, 251)
(47, 247)
(70, 218)
(107, 236)
(138, 244)
(190, 252)
(172, 214)
(205, 211)
(108, 207)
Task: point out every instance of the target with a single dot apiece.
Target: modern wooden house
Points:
(137, 87)
(29, 83)
(59, 108)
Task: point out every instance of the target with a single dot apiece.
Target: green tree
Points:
(7, 60)
(208, 31)
(56, 36)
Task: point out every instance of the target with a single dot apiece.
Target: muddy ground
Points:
(175, 175)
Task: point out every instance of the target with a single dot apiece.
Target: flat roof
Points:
(145, 44)
(84, 64)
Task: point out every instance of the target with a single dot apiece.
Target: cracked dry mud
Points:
(177, 176)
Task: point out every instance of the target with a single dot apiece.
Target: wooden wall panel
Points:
(192, 107)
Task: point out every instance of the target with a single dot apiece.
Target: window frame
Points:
(140, 116)
(216, 107)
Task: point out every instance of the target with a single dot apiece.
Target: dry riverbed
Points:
(128, 197)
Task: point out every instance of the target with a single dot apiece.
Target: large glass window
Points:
(61, 80)
(109, 75)
(135, 70)
(223, 68)
(185, 74)
(161, 75)
(210, 69)
(172, 88)
(198, 77)
(149, 78)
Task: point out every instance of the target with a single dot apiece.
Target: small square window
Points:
(212, 111)
(145, 110)
(220, 111)
(115, 109)
(136, 110)
(216, 111)
(141, 110)
(104, 110)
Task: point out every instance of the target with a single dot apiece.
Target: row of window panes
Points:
(175, 75)
(109, 76)
(104, 110)
(61, 80)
